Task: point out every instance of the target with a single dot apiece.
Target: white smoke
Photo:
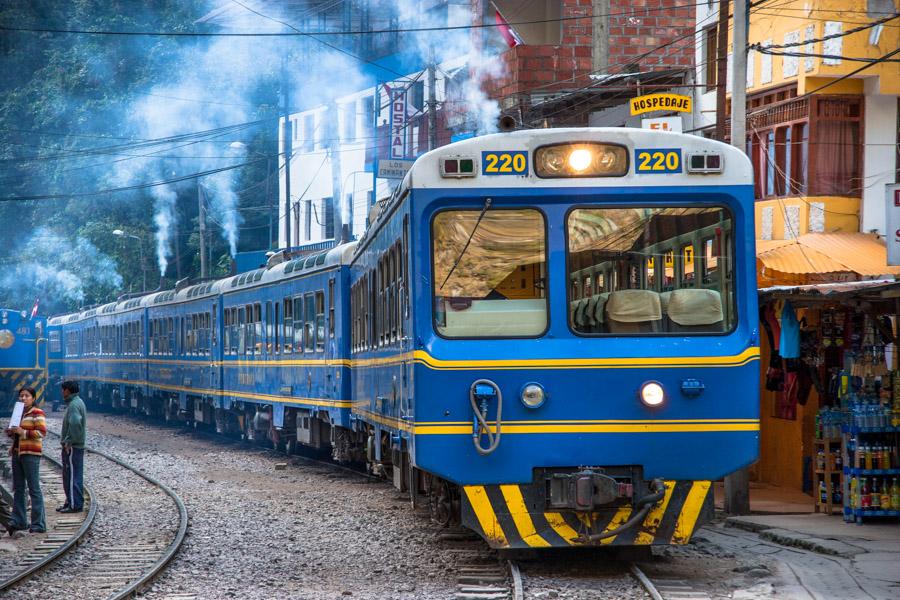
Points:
(56, 267)
(164, 218)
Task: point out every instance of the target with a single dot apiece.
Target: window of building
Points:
(810, 146)
(710, 56)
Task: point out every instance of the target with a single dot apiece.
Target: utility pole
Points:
(432, 100)
(721, 68)
(204, 268)
(288, 148)
(269, 202)
(333, 134)
(737, 485)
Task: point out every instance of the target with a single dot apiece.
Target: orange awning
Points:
(862, 254)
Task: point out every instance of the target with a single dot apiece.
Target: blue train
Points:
(550, 336)
(23, 356)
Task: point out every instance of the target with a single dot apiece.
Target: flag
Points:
(509, 34)
(34, 308)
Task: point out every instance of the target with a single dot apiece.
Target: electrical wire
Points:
(832, 36)
(296, 32)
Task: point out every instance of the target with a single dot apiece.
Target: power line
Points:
(298, 33)
(832, 36)
(138, 186)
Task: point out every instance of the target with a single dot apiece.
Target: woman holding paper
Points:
(26, 459)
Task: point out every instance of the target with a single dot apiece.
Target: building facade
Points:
(548, 63)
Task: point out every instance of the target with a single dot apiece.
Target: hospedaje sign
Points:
(652, 102)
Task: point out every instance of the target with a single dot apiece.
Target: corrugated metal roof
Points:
(861, 253)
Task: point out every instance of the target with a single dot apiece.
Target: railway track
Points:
(64, 531)
(133, 527)
(481, 574)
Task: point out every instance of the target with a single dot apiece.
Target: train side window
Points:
(309, 323)
(298, 324)
(242, 330)
(276, 329)
(320, 320)
(331, 308)
(270, 335)
(688, 273)
(287, 333)
(170, 348)
(236, 332)
(258, 332)
(55, 345)
(226, 322)
(710, 259)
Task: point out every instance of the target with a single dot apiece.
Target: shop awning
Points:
(800, 260)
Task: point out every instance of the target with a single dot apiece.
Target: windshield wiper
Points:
(487, 205)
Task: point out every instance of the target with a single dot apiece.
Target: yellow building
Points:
(822, 133)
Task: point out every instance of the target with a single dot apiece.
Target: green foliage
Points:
(63, 96)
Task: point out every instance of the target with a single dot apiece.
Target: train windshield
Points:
(489, 270)
(662, 271)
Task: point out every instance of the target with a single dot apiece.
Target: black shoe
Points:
(69, 509)
(62, 508)
(36, 530)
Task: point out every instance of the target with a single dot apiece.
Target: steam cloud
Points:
(55, 267)
(213, 86)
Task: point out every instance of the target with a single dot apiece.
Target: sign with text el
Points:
(892, 223)
(398, 122)
(652, 102)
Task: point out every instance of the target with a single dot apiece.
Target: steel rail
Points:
(171, 549)
(65, 547)
(645, 582)
(518, 590)
(136, 585)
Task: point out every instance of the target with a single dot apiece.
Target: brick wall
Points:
(635, 27)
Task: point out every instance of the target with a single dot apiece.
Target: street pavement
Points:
(814, 556)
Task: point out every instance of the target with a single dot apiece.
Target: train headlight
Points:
(533, 395)
(652, 394)
(581, 160)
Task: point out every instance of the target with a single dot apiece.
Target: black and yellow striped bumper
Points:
(13, 379)
(513, 516)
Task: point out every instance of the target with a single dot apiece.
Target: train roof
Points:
(426, 172)
(295, 267)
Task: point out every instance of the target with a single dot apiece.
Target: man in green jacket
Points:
(74, 428)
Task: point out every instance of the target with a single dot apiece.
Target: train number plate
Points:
(504, 163)
(657, 160)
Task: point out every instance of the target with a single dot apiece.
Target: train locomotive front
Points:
(584, 340)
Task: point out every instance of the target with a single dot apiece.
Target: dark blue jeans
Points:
(26, 471)
(73, 477)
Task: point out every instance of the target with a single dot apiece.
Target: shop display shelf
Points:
(858, 514)
(832, 472)
(855, 471)
(855, 430)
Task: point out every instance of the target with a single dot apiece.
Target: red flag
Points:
(34, 309)
(509, 34)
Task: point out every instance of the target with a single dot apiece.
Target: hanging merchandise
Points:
(790, 333)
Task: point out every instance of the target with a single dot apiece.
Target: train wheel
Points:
(442, 503)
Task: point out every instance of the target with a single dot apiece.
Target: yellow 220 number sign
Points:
(657, 160)
(504, 163)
